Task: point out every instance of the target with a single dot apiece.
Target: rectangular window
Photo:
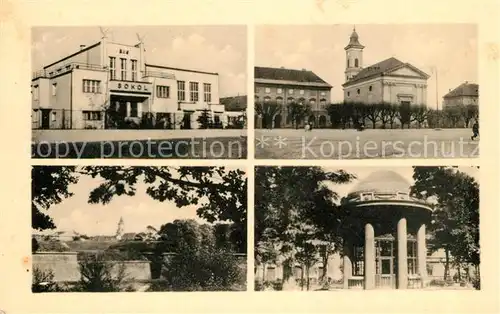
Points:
(323, 94)
(35, 92)
(290, 91)
(181, 91)
(268, 90)
(123, 67)
(302, 92)
(91, 86)
(193, 91)
(134, 70)
(412, 257)
(162, 91)
(92, 115)
(207, 91)
(279, 91)
(112, 68)
(54, 89)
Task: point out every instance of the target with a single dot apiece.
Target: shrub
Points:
(97, 275)
(206, 268)
(278, 285)
(259, 286)
(43, 281)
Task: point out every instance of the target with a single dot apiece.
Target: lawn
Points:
(352, 144)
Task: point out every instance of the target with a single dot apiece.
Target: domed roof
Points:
(383, 181)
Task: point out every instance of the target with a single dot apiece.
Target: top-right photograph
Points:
(366, 91)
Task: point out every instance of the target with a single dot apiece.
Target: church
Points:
(391, 80)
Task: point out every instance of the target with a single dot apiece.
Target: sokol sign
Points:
(129, 86)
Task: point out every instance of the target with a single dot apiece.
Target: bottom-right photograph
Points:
(328, 228)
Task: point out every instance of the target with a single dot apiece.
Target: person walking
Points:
(475, 131)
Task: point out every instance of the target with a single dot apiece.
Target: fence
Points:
(106, 119)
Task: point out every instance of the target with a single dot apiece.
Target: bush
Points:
(278, 285)
(43, 281)
(259, 286)
(476, 283)
(97, 275)
(205, 268)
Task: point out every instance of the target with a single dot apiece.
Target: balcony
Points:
(66, 68)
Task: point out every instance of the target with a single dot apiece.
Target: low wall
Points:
(52, 136)
(65, 268)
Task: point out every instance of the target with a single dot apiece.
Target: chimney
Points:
(466, 82)
(304, 69)
(282, 67)
(82, 47)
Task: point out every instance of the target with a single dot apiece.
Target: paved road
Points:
(351, 144)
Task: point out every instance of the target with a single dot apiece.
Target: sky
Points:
(221, 49)
(452, 48)
(138, 212)
(362, 172)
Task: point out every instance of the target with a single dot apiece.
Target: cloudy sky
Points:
(138, 212)
(406, 172)
(221, 49)
(452, 48)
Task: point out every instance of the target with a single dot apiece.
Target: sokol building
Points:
(85, 89)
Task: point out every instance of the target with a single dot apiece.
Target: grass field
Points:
(179, 148)
(351, 144)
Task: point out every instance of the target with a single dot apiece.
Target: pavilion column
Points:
(128, 108)
(347, 265)
(402, 255)
(422, 255)
(369, 257)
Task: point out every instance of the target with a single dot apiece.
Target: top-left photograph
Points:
(139, 92)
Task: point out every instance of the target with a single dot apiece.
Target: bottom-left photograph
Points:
(138, 229)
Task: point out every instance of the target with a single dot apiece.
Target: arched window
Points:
(279, 100)
(290, 100)
(312, 101)
(348, 63)
(302, 100)
(267, 99)
(356, 62)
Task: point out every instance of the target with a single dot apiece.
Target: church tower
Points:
(354, 56)
(119, 231)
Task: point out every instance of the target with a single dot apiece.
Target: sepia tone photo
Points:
(138, 229)
(139, 92)
(367, 228)
(366, 91)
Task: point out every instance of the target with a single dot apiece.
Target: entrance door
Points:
(186, 121)
(45, 119)
(385, 268)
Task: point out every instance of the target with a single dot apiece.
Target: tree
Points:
(453, 116)
(335, 114)
(456, 214)
(373, 113)
(392, 114)
(420, 114)
(404, 114)
(298, 112)
(205, 119)
(468, 113)
(385, 112)
(267, 110)
(289, 203)
(49, 186)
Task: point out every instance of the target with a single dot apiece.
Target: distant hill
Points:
(234, 103)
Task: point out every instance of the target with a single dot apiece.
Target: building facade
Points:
(108, 82)
(464, 95)
(287, 86)
(390, 81)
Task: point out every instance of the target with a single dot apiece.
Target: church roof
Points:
(464, 89)
(354, 41)
(383, 181)
(263, 74)
(382, 68)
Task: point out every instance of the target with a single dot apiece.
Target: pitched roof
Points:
(304, 77)
(234, 103)
(464, 89)
(381, 68)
